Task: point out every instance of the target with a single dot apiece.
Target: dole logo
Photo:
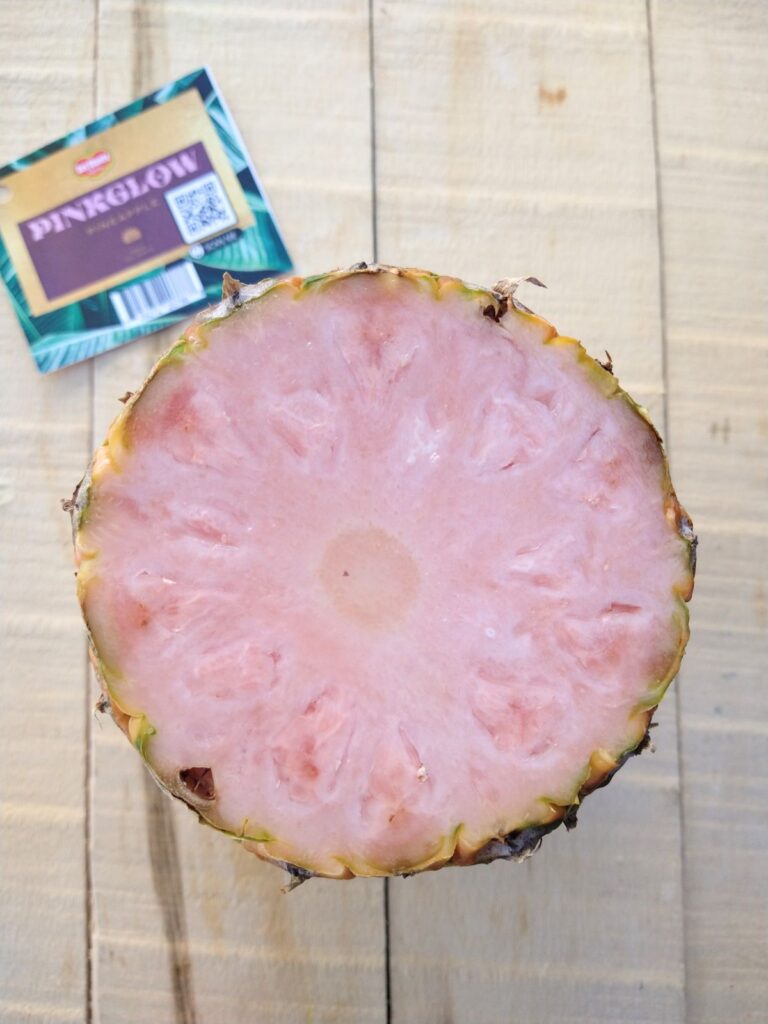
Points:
(93, 164)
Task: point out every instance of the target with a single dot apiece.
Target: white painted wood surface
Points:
(498, 144)
(618, 153)
(44, 437)
(712, 94)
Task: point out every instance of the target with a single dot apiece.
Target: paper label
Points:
(128, 223)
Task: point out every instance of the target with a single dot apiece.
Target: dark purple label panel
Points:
(113, 228)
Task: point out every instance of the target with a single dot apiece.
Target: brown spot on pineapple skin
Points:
(230, 288)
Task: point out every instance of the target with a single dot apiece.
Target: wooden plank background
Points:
(619, 151)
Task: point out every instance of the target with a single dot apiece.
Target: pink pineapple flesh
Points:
(400, 576)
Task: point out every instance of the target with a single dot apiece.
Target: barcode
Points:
(166, 292)
(200, 207)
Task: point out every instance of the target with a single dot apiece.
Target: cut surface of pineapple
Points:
(378, 570)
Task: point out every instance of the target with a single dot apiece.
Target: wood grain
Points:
(44, 440)
(509, 139)
(519, 140)
(189, 928)
(712, 96)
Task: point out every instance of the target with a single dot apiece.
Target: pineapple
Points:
(380, 573)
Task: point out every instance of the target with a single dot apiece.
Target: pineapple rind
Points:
(517, 840)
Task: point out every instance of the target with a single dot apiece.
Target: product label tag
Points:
(126, 225)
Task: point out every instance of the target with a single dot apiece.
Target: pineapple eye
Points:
(199, 782)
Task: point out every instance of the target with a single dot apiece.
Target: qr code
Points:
(200, 208)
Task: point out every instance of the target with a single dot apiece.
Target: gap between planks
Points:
(668, 445)
(375, 254)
